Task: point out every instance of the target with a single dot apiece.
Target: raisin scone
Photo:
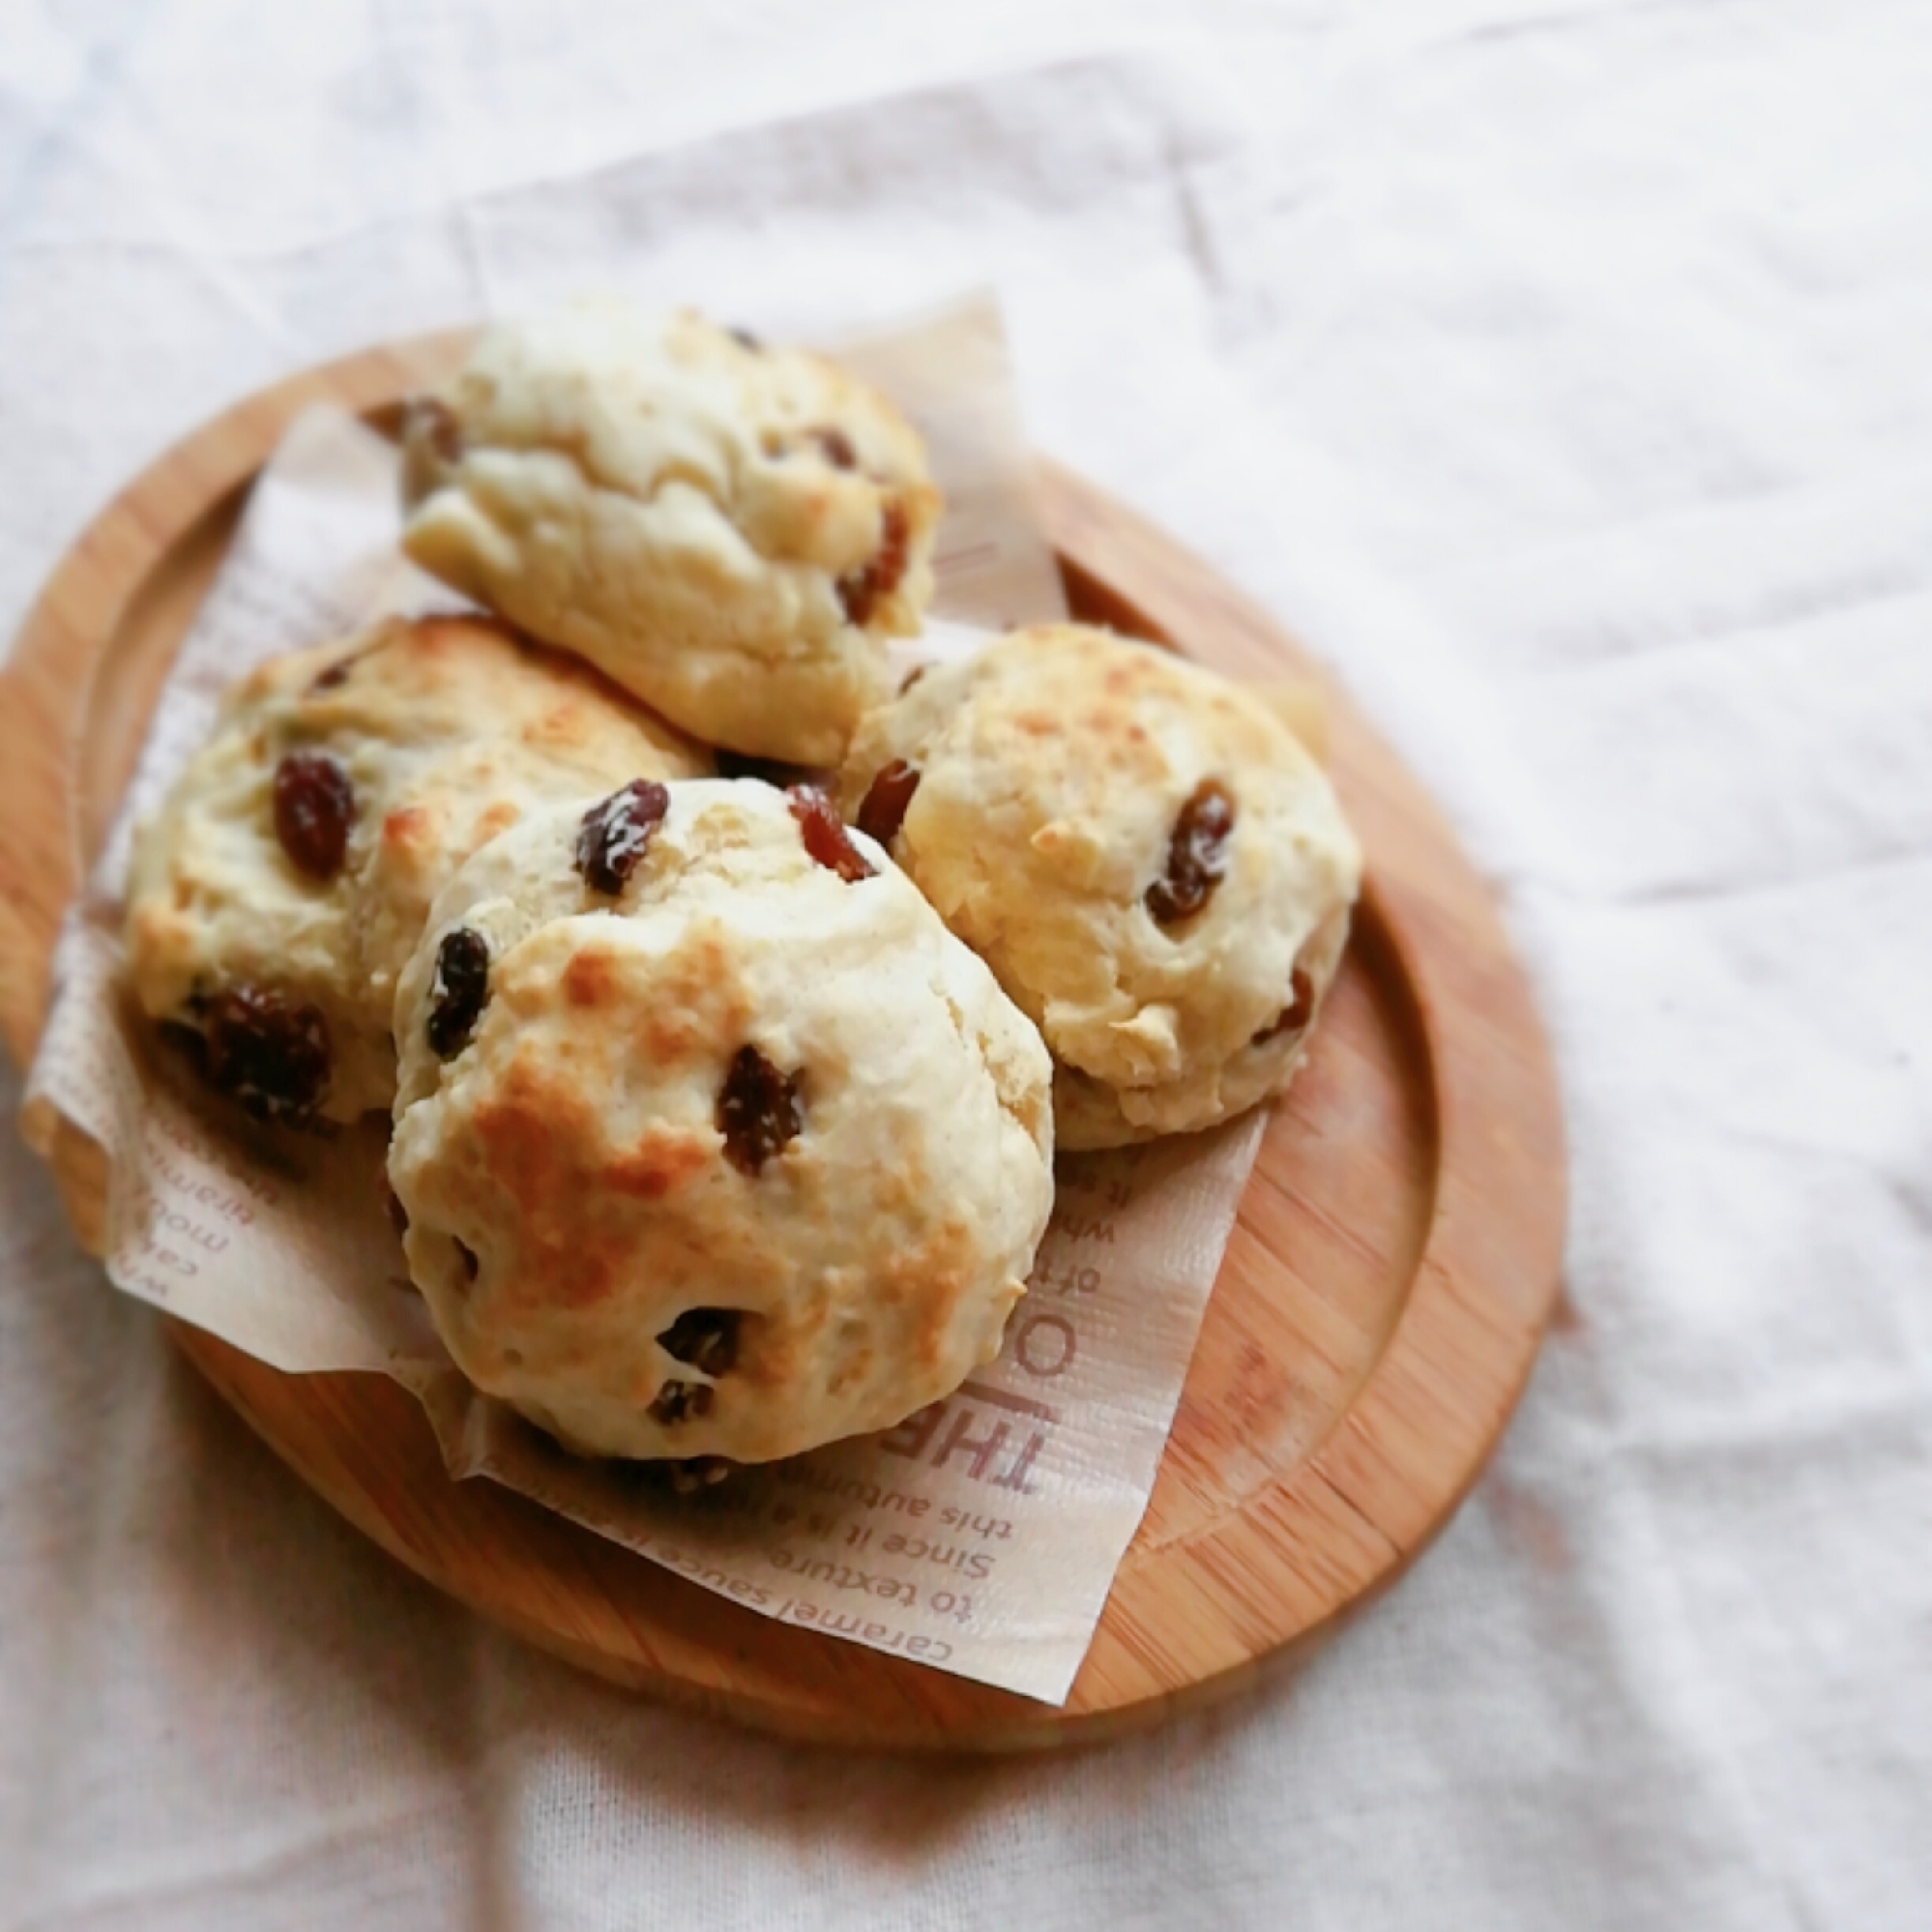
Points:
(712, 1140)
(729, 531)
(1156, 871)
(276, 894)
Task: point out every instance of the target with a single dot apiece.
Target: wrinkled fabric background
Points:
(1558, 370)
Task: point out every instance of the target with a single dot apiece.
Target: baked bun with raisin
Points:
(729, 532)
(276, 894)
(1153, 868)
(713, 1141)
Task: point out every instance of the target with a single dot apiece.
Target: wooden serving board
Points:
(1379, 1309)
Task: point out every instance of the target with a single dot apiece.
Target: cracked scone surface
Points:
(420, 741)
(742, 1156)
(728, 531)
(1042, 796)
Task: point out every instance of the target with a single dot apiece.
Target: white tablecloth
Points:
(1558, 369)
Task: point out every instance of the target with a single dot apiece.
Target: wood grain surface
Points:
(1379, 1309)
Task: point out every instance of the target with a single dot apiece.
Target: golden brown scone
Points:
(728, 531)
(521, 726)
(1156, 871)
(712, 1139)
(275, 896)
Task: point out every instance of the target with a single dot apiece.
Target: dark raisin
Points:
(1295, 1014)
(270, 1053)
(333, 676)
(705, 1339)
(676, 1400)
(861, 590)
(469, 1260)
(835, 447)
(314, 806)
(1197, 855)
(458, 991)
(824, 834)
(912, 677)
(885, 801)
(746, 339)
(757, 1110)
(616, 830)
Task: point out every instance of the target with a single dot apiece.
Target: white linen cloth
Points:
(1559, 371)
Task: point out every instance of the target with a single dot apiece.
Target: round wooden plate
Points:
(1375, 1318)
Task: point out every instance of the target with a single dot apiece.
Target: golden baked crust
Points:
(444, 730)
(1054, 771)
(729, 532)
(576, 1187)
(509, 727)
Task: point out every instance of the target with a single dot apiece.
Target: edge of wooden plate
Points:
(1257, 1588)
